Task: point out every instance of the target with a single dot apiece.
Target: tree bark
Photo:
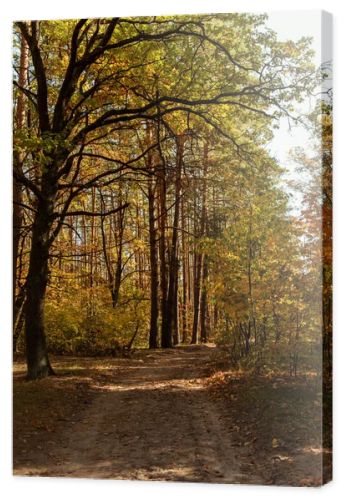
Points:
(204, 304)
(119, 264)
(172, 302)
(198, 257)
(36, 349)
(252, 316)
(185, 277)
(166, 340)
(18, 318)
(114, 275)
(175, 320)
(18, 159)
(196, 295)
(153, 251)
(153, 332)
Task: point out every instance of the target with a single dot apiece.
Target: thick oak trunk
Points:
(36, 349)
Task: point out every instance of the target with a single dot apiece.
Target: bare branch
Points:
(95, 214)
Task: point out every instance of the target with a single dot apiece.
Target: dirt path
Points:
(149, 418)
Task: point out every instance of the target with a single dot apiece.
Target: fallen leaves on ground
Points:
(279, 420)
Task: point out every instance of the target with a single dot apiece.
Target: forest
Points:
(149, 214)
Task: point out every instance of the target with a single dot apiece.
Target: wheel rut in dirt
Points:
(150, 419)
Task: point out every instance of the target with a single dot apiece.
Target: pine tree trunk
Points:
(172, 302)
(18, 159)
(196, 296)
(203, 306)
(119, 264)
(185, 270)
(153, 332)
(176, 319)
(198, 254)
(166, 340)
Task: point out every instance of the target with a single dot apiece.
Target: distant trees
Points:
(316, 186)
(139, 151)
(18, 161)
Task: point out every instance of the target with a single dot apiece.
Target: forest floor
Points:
(174, 414)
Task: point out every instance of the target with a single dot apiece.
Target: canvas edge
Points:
(327, 414)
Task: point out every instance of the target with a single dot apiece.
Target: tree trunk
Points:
(119, 264)
(166, 340)
(198, 254)
(252, 316)
(203, 305)
(196, 295)
(92, 243)
(175, 320)
(18, 318)
(153, 332)
(173, 269)
(114, 275)
(36, 350)
(18, 159)
(185, 271)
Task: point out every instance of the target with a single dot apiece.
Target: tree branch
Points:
(94, 214)
(28, 183)
(40, 73)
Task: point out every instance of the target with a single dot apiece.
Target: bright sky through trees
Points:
(291, 25)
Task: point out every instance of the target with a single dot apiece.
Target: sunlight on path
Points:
(155, 422)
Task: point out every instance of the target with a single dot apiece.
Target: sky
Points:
(293, 25)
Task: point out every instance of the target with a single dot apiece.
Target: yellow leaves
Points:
(275, 443)
(233, 256)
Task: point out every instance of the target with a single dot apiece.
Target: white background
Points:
(33, 488)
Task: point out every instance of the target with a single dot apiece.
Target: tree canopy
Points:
(147, 207)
